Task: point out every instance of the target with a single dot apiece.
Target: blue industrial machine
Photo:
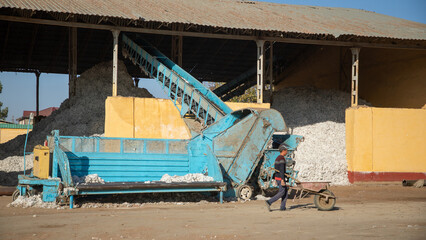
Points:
(237, 149)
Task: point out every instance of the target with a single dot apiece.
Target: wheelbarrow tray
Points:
(314, 186)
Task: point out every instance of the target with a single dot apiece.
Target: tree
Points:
(249, 96)
(3, 112)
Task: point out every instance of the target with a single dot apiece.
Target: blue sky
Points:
(19, 88)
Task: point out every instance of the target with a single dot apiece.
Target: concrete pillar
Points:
(177, 48)
(115, 34)
(260, 65)
(72, 61)
(37, 73)
(354, 76)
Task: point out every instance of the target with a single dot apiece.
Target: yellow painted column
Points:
(359, 142)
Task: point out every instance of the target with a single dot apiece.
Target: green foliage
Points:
(249, 96)
(3, 112)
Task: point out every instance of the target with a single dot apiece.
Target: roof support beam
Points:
(72, 61)
(260, 73)
(354, 80)
(115, 35)
(37, 74)
(207, 35)
(177, 49)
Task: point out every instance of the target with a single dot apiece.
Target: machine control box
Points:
(41, 166)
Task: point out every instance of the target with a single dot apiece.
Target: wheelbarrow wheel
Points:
(322, 203)
(245, 192)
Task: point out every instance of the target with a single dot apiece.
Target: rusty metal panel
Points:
(228, 143)
(241, 146)
(335, 22)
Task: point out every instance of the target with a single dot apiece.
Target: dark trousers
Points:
(282, 193)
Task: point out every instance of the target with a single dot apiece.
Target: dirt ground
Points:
(375, 211)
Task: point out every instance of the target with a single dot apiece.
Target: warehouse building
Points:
(378, 58)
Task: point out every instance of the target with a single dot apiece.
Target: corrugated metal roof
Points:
(14, 126)
(240, 15)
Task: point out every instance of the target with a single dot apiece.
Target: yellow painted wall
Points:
(393, 78)
(320, 68)
(159, 118)
(237, 105)
(386, 139)
(143, 118)
(7, 134)
(388, 78)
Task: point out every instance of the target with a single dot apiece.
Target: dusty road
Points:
(370, 211)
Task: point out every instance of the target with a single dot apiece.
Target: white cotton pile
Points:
(190, 177)
(16, 163)
(91, 178)
(12, 166)
(83, 114)
(319, 116)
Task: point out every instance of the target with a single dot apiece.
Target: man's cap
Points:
(282, 147)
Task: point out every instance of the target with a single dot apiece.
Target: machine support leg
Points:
(71, 201)
(22, 190)
(221, 197)
(354, 80)
(260, 64)
(115, 34)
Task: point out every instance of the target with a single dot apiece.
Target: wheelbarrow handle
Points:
(295, 180)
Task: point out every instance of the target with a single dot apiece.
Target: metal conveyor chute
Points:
(187, 93)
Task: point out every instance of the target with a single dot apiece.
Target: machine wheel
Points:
(245, 192)
(322, 204)
(15, 194)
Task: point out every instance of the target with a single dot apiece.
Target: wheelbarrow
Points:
(324, 199)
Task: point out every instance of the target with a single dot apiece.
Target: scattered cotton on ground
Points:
(32, 201)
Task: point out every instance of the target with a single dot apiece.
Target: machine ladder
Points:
(187, 93)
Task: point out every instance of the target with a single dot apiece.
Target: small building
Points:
(43, 113)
